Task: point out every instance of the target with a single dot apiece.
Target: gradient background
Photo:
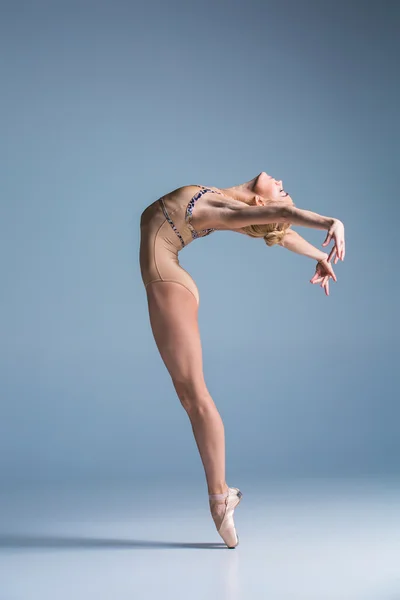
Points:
(105, 106)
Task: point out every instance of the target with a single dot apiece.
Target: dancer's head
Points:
(268, 190)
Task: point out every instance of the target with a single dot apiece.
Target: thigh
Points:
(173, 314)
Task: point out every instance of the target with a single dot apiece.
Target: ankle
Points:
(218, 490)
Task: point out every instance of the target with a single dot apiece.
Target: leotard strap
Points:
(189, 212)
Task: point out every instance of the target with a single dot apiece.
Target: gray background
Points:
(105, 106)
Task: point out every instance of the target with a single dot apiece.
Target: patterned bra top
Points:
(188, 215)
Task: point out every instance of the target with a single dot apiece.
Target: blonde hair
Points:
(272, 233)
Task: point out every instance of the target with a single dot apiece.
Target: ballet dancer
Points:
(259, 208)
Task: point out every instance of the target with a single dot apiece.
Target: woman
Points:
(258, 208)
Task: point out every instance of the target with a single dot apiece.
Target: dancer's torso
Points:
(167, 226)
(174, 212)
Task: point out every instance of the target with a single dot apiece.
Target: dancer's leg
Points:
(174, 321)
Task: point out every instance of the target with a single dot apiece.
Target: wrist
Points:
(329, 222)
(322, 256)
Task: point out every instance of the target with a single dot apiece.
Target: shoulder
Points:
(212, 210)
(210, 196)
(185, 192)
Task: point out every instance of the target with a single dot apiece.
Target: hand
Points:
(336, 231)
(323, 272)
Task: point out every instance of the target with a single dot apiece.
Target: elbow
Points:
(286, 214)
(285, 241)
(282, 214)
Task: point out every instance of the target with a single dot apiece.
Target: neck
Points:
(242, 192)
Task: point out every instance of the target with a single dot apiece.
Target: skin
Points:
(266, 192)
(173, 310)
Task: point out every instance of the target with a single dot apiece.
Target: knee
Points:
(193, 396)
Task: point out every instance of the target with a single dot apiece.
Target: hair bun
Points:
(274, 237)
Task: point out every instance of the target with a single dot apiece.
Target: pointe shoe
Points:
(227, 528)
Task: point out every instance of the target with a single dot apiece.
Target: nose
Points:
(280, 183)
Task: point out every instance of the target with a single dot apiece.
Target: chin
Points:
(262, 184)
(263, 176)
(263, 179)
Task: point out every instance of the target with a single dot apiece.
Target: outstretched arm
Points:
(294, 242)
(233, 214)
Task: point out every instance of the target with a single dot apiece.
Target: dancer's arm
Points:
(234, 215)
(295, 243)
(323, 271)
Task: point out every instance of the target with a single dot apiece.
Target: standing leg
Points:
(173, 314)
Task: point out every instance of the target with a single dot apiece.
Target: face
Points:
(268, 187)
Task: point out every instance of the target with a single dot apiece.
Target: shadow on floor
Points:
(8, 541)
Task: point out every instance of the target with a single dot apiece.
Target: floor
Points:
(311, 540)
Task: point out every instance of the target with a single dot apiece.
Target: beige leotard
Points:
(166, 228)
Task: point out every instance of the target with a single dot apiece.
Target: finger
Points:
(333, 275)
(342, 249)
(317, 280)
(336, 259)
(332, 253)
(327, 269)
(325, 284)
(331, 272)
(327, 239)
(327, 288)
(316, 275)
(325, 279)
